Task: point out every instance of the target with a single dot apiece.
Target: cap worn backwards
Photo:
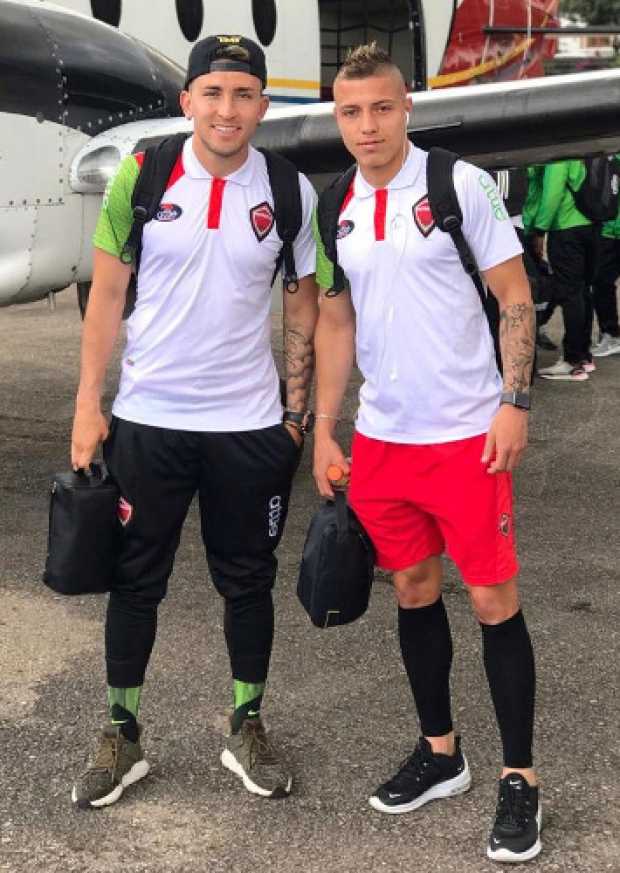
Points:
(226, 53)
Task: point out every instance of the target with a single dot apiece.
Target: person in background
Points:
(604, 294)
(572, 251)
(538, 268)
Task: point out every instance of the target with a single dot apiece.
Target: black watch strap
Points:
(520, 399)
(303, 421)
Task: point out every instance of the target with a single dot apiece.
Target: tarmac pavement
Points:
(337, 700)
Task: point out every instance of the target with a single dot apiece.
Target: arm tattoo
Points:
(299, 366)
(517, 336)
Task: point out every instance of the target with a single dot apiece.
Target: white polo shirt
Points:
(422, 339)
(198, 354)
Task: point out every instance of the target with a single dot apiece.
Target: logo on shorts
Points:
(423, 216)
(504, 524)
(124, 511)
(275, 513)
(261, 219)
(344, 229)
(168, 212)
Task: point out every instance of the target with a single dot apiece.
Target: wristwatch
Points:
(303, 421)
(520, 399)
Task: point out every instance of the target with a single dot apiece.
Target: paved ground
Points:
(338, 700)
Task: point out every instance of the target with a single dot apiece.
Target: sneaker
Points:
(423, 776)
(250, 755)
(118, 762)
(516, 833)
(607, 345)
(563, 370)
(544, 341)
(588, 366)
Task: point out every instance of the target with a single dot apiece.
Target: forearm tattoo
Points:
(299, 366)
(517, 337)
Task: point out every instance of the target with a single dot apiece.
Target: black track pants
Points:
(572, 255)
(604, 287)
(243, 481)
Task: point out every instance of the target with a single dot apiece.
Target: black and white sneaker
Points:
(516, 833)
(423, 776)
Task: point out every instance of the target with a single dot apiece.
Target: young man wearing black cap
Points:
(436, 434)
(198, 409)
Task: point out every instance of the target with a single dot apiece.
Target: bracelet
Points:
(328, 417)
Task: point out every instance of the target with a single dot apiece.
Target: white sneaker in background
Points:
(562, 370)
(608, 345)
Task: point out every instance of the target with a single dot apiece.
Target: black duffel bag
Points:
(84, 532)
(337, 566)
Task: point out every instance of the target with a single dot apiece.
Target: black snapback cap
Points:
(206, 57)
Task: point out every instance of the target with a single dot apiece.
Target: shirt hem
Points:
(203, 425)
(425, 440)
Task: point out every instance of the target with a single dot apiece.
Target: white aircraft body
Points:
(77, 93)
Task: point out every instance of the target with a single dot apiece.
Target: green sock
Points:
(247, 700)
(128, 698)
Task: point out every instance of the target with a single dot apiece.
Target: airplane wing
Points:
(503, 125)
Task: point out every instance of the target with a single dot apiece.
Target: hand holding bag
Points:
(84, 532)
(337, 566)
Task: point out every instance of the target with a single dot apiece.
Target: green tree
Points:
(593, 12)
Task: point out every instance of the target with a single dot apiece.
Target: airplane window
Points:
(265, 20)
(108, 11)
(190, 14)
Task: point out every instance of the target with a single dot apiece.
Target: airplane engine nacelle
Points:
(64, 78)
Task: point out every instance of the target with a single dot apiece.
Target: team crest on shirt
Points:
(504, 524)
(423, 216)
(168, 212)
(261, 219)
(344, 229)
(124, 511)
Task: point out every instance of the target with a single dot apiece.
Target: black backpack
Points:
(597, 197)
(448, 217)
(159, 161)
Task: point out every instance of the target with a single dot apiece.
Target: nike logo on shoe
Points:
(392, 796)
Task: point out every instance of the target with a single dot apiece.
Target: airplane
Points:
(78, 93)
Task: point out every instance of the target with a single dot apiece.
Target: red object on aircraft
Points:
(473, 56)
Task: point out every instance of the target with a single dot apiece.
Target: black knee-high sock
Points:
(509, 664)
(426, 647)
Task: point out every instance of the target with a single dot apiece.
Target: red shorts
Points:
(416, 501)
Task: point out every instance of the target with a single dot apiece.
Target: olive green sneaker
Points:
(117, 763)
(250, 755)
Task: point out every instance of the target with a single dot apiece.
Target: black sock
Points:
(509, 664)
(426, 647)
(126, 721)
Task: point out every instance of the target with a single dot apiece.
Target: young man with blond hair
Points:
(437, 434)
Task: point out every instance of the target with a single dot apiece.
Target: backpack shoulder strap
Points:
(284, 183)
(329, 208)
(447, 211)
(448, 215)
(159, 161)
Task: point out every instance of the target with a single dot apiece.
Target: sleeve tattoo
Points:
(299, 366)
(517, 337)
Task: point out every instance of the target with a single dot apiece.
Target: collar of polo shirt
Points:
(406, 176)
(195, 170)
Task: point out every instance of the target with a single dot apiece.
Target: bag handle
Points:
(342, 515)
